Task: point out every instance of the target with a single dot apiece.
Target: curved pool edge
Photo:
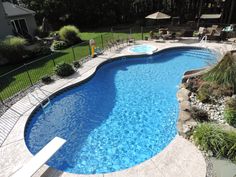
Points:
(17, 134)
(172, 161)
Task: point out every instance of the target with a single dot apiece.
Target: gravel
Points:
(215, 111)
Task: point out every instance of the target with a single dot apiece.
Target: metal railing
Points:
(29, 74)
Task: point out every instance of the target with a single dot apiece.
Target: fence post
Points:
(112, 31)
(102, 41)
(26, 69)
(89, 50)
(1, 100)
(73, 53)
(53, 60)
(142, 31)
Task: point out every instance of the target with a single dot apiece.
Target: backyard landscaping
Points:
(19, 79)
(212, 104)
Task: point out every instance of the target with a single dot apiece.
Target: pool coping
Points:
(15, 139)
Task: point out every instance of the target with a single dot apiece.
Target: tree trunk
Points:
(199, 12)
(231, 11)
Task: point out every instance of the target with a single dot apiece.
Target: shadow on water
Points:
(77, 113)
(74, 115)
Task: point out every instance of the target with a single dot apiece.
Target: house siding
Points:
(30, 22)
(5, 28)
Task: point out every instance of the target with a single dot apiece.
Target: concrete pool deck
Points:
(179, 158)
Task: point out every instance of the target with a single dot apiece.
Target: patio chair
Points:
(169, 36)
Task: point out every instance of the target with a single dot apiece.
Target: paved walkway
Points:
(176, 160)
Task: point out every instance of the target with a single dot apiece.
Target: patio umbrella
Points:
(158, 16)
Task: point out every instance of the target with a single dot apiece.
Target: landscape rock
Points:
(185, 105)
(184, 115)
(183, 95)
(215, 111)
(234, 96)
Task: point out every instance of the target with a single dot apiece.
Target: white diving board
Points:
(30, 168)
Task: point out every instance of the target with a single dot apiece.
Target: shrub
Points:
(64, 69)
(70, 34)
(46, 79)
(13, 49)
(199, 114)
(39, 51)
(76, 64)
(209, 90)
(53, 33)
(224, 72)
(193, 84)
(59, 45)
(210, 137)
(230, 112)
(222, 90)
(204, 92)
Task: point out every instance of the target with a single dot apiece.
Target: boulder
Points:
(184, 115)
(185, 106)
(183, 94)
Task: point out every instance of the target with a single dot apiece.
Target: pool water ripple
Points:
(124, 115)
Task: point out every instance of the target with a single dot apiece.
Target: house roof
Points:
(15, 10)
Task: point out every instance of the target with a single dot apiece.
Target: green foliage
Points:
(64, 69)
(193, 84)
(46, 79)
(204, 92)
(210, 137)
(224, 72)
(199, 114)
(70, 34)
(13, 49)
(209, 90)
(59, 45)
(39, 51)
(53, 33)
(76, 64)
(230, 112)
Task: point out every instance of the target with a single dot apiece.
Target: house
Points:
(16, 20)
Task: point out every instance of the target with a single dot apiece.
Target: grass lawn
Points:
(19, 80)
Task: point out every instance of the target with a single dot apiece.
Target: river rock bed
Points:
(215, 111)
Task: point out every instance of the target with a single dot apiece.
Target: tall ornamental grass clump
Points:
(13, 49)
(222, 143)
(230, 112)
(70, 34)
(224, 72)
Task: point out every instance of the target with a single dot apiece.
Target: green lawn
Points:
(19, 80)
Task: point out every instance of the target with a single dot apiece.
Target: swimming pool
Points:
(142, 49)
(125, 114)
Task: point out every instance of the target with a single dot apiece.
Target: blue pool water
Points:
(142, 49)
(124, 115)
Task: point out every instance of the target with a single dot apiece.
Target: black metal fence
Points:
(25, 76)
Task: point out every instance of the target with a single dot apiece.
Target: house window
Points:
(19, 26)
